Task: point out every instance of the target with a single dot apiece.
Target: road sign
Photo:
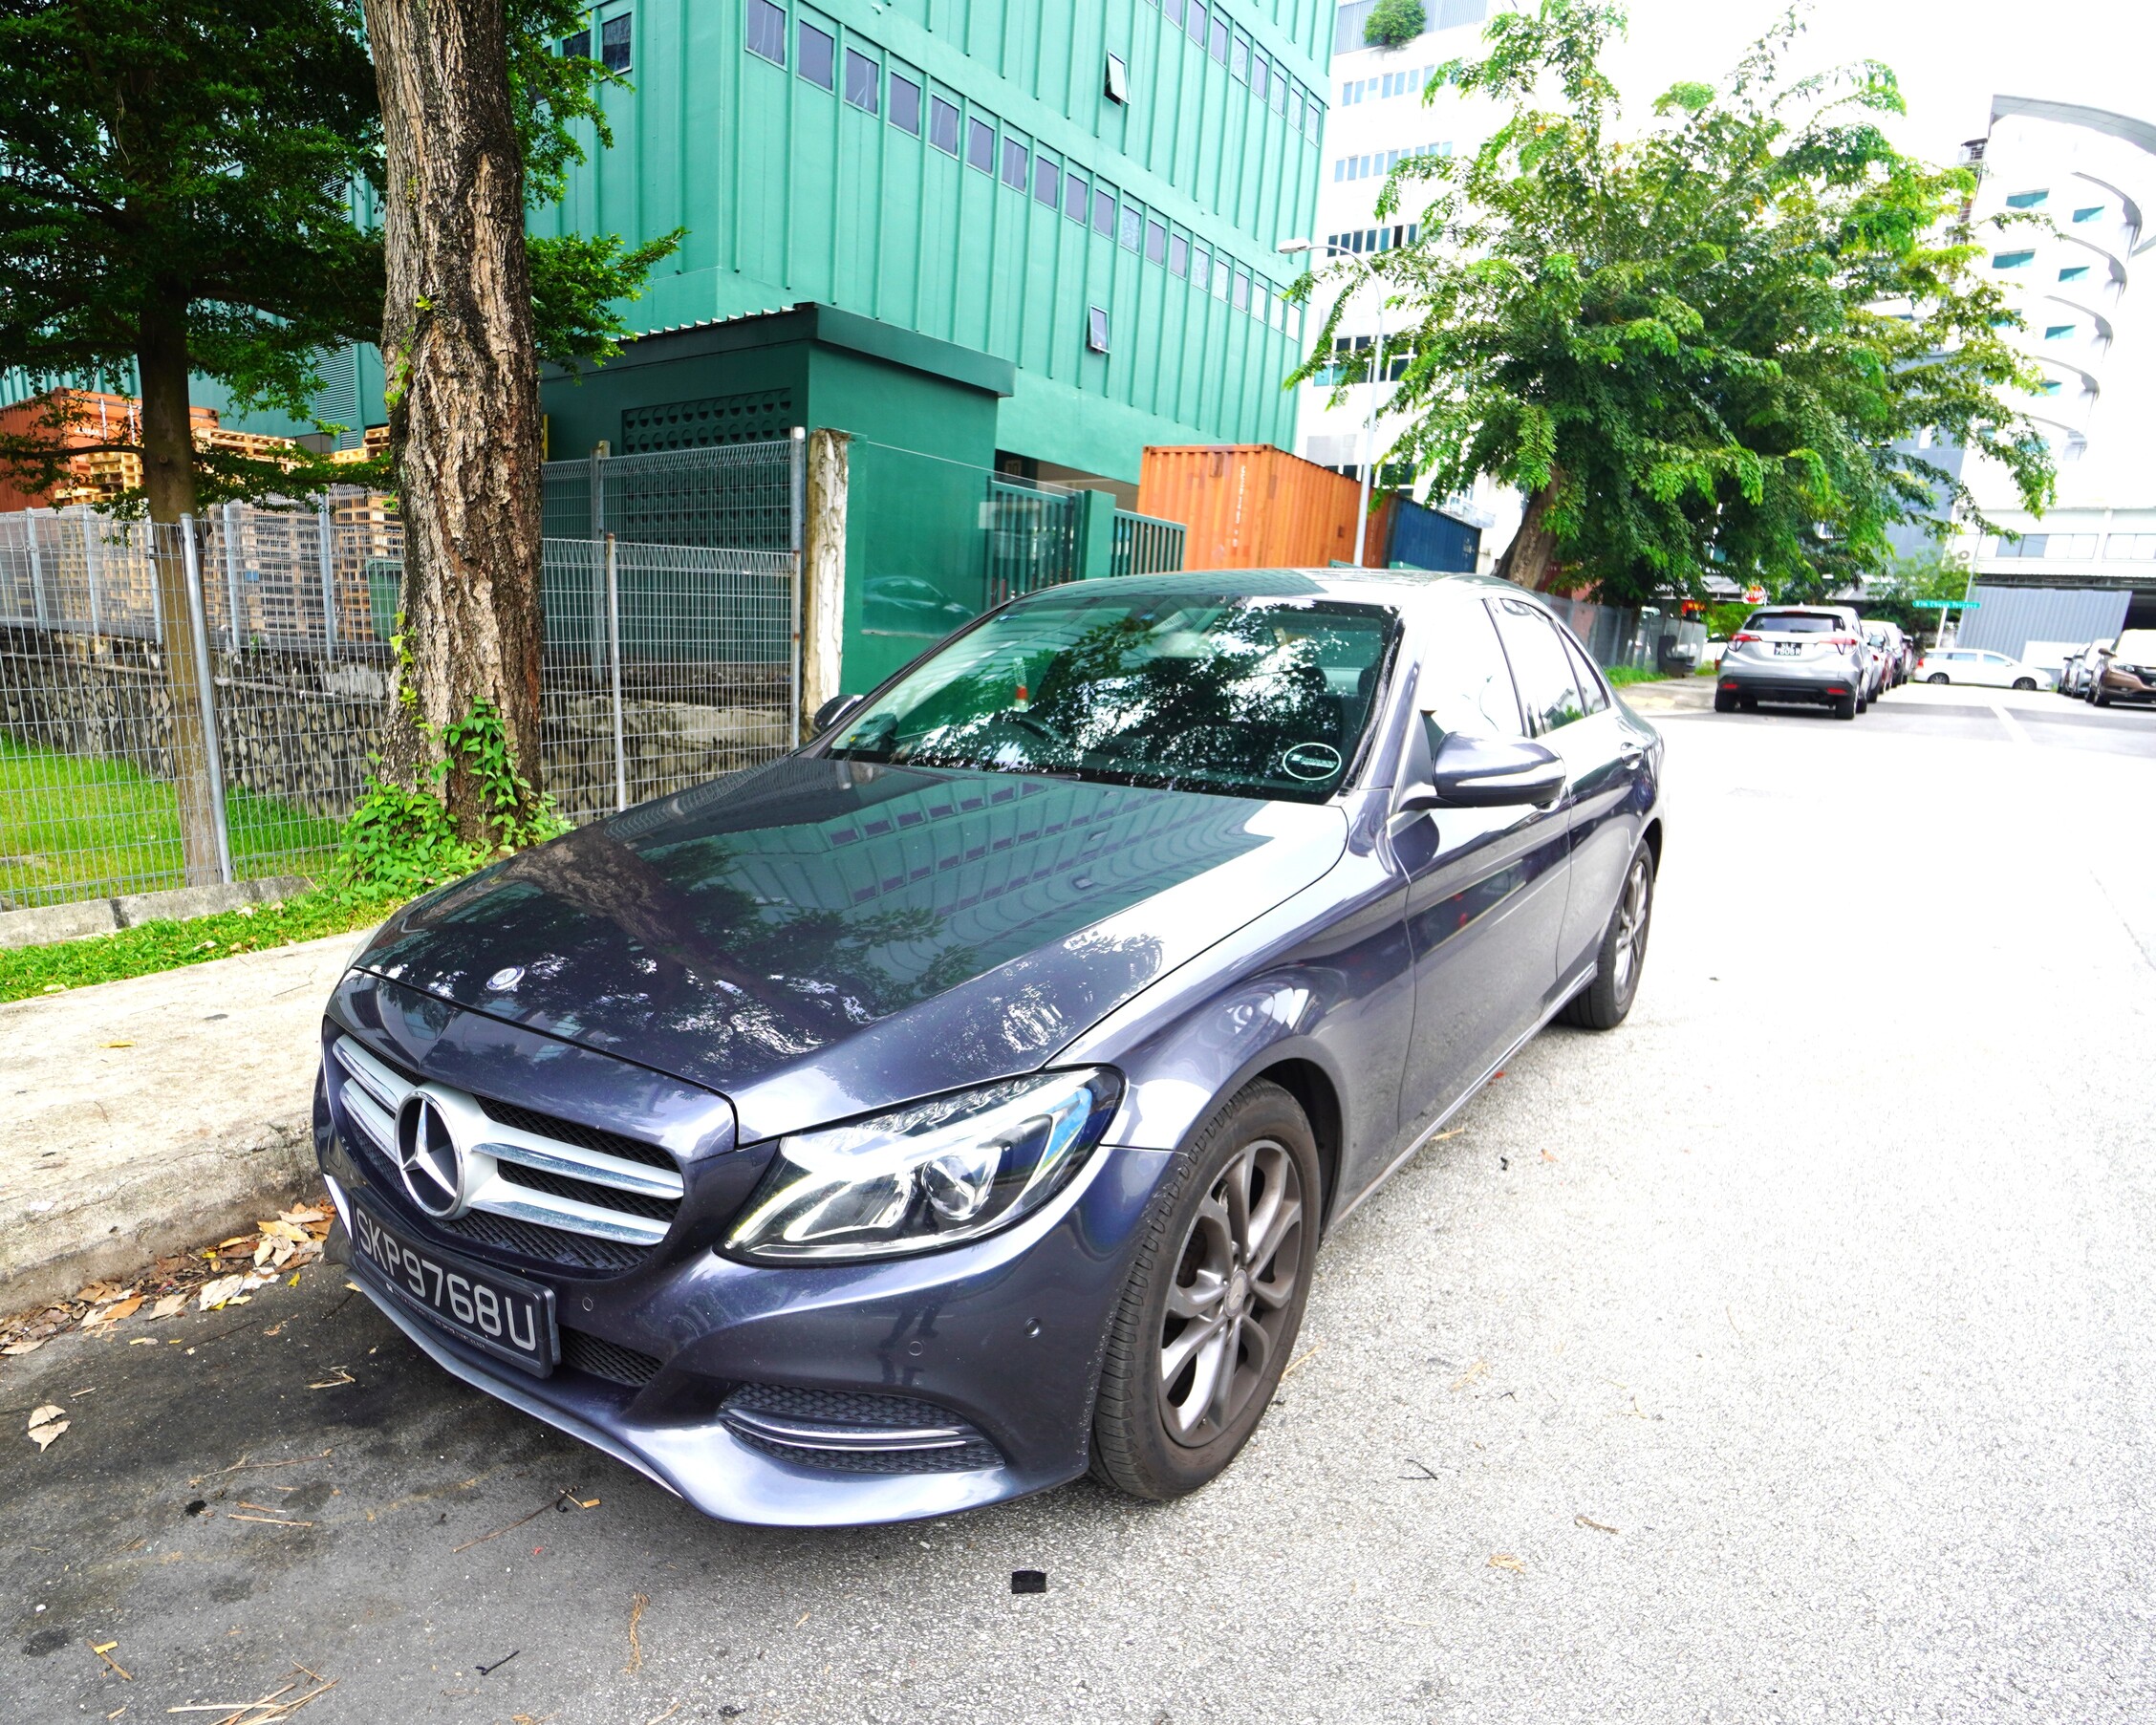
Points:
(1948, 604)
(1754, 595)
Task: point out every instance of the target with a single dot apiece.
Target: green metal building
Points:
(1092, 194)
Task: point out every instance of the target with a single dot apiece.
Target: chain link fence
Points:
(182, 704)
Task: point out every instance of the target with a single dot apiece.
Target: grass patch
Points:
(1631, 674)
(26, 971)
(80, 826)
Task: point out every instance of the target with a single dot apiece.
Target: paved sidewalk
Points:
(144, 1116)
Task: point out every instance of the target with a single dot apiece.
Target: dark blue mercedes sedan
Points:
(957, 1103)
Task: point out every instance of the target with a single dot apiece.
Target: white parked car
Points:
(1981, 666)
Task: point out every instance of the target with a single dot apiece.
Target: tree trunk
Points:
(168, 485)
(463, 384)
(1531, 558)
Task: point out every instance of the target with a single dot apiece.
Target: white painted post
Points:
(213, 754)
(614, 643)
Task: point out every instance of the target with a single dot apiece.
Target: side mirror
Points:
(832, 711)
(1489, 772)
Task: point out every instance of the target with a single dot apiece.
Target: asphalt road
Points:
(1782, 1355)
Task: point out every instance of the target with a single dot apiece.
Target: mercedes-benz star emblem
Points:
(505, 978)
(430, 1158)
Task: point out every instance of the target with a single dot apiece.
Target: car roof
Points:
(1408, 589)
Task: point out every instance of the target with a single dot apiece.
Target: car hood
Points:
(819, 938)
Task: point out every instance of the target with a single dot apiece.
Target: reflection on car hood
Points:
(823, 938)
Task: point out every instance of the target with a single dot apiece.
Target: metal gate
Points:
(1031, 539)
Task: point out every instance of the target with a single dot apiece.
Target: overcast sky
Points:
(1950, 59)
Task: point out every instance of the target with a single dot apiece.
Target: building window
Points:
(862, 81)
(981, 145)
(1132, 230)
(905, 104)
(2073, 272)
(1117, 88)
(2010, 260)
(815, 55)
(766, 30)
(614, 43)
(578, 46)
(943, 125)
(1172, 12)
(1156, 243)
(1076, 195)
(1280, 93)
(1096, 327)
(1178, 255)
(1014, 165)
(2052, 386)
(1260, 76)
(2058, 332)
(1201, 270)
(2025, 200)
(1222, 271)
(1239, 61)
(2089, 213)
(1217, 43)
(1045, 181)
(1242, 299)
(1193, 22)
(1313, 115)
(2139, 545)
(1104, 210)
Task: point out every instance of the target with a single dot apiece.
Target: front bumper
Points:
(2126, 685)
(1004, 1335)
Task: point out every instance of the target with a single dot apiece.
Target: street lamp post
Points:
(1293, 248)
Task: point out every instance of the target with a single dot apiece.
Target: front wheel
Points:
(1602, 1004)
(2025, 682)
(1214, 1303)
(1936, 676)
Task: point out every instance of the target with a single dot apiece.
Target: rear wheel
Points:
(1214, 1303)
(1845, 707)
(2024, 682)
(1936, 676)
(1725, 701)
(1602, 1005)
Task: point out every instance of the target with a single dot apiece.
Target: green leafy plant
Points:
(1394, 23)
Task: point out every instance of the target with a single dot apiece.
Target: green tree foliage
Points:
(1394, 23)
(1709, 345)
(177, 182)
(1931, 574)
(175, 185)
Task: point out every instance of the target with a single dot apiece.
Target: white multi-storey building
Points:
(2087, 178)
(1378, 115)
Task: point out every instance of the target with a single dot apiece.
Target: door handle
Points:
(1629, 752)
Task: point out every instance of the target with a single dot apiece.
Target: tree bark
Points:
(1531, 558)
(463, 384)
(168, 486)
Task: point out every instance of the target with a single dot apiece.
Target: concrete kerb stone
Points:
(147, 1116)
(42, 924)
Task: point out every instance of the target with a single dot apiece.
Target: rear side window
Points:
(1794, 622)
(1540, 667)
(1465, 684)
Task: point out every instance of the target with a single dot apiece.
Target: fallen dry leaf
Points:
(115, 1312)
(636, 1604)
(280, 1229)
(1589, 1521)
(170, 1307)
(1504, 1560)
(215, 1294)
(24, 1347)
(46, 1423)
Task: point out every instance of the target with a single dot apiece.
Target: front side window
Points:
(1465, 686)
(863, 81)
(905, 104)
(1248, 696)
(816, 49)
(943, 125)
(766, 30)
(1540, 668)
(614, 44)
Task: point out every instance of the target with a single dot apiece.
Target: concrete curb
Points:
(152, 1114)
(43, 923)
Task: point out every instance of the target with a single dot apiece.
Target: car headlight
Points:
(950, 1168)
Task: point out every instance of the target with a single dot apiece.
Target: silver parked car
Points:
(1887, 640)
(1814, 655)
(2079, 668)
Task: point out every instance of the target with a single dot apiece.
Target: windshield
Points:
(1239, 696)
(1793, 622)
(2136, 647)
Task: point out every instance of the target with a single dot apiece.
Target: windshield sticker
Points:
(1310, 760)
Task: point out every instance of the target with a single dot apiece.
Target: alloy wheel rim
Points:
(1236, 1276)
(1632, 928)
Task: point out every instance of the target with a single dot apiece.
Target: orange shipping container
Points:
(1252, 506)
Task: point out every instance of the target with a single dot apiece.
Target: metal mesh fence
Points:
(118, 776)
(1618, 637)
(736, 497)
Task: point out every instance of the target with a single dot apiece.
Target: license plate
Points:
(1788, 649)
(504, 1315)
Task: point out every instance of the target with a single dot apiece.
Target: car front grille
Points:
(855, 1431)
(583, 1352)
(547, 1189)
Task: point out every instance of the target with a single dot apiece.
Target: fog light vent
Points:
(855, 1431)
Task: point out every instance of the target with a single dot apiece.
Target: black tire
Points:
(2024, 682)
(1863, 703)
(1937, 677)
(1845, 707)
(1602, 1005)
(1263, 1132)
(2097, 698)
(1724, 702)
(1749, 703)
